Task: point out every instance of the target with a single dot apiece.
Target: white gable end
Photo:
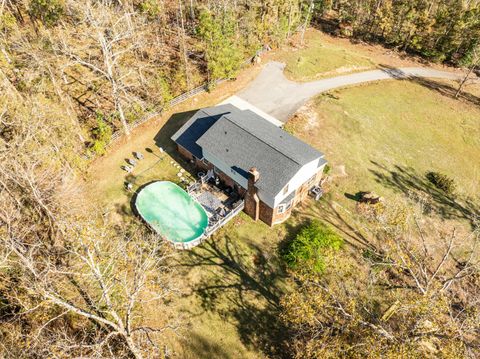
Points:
(302, 176)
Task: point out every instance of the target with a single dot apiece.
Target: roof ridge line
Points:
(258, 138)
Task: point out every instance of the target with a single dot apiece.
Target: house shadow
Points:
(410, 183)
(163, 137)
(242, 291)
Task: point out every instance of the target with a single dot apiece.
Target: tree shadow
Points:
(447, 90)
(408, 182)
(394, 72)
(204, 348)
(329, 211)
(244, 287)
(440, 87)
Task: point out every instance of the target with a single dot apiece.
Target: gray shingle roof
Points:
(247, 140)
(197, 125)
(275, 137)
(242, 140)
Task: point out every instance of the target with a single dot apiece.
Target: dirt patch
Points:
(309, 117)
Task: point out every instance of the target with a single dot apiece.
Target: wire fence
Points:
(182, 98)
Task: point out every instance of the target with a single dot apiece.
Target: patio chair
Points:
(131, 162)
(127, 169)
(138, 155)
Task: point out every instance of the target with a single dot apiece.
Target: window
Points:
(289, 205)
(285, 189)
(204, 160)
(281, 208)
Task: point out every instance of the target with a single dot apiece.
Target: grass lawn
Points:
(383, 137)
(230, 288)
(320, 58)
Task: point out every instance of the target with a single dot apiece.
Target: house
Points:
(270, 168)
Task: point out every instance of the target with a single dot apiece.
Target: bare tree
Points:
(69, 265)
(113, 279)
(432, 256)
(417, 293)
(308, 18)
(473, 65)
(181, 35)
(113, 35)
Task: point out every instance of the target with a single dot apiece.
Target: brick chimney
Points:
(252, 202)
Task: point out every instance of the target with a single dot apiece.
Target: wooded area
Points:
(439, 30)
(72, 72)
(108, 63)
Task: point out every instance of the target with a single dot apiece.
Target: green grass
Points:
(319, 59)
(389, 134)
(106, 182)
(229, 285)
(232, 284)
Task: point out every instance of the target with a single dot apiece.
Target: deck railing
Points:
(193, 187)
(220, 223)
(210, 229)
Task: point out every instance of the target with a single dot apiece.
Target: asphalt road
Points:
(274, 94)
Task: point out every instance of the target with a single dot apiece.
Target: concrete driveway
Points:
(279, 97)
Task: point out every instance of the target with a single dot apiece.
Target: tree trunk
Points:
(184, 46)
(119, 107)
(307, 20)
(465, 79)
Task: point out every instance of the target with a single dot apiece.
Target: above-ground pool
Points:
(172, 213)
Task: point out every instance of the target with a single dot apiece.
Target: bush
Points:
(442, 182)
(102, 135)
(48, 11)
(327, 169)
(311, 247)
(151, 8)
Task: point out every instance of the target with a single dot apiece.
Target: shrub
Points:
(442, 182)
(311, 247)
(48, 11)
(102, 135)
(327, 169)
(151, 8)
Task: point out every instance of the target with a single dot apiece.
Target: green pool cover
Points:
(171, 212)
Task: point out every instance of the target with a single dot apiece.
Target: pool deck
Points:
(220, 206)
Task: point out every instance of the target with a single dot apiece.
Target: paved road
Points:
(274, 94)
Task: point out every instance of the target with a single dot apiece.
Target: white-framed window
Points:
(205, 161)
(284, 207)
(289, 205)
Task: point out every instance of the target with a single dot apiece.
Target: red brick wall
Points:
(280, 217)
(266, 214)
(185, 153)
(225, 179)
